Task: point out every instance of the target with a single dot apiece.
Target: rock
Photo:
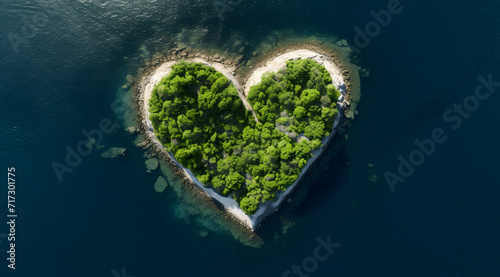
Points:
(141, 142)
(125, 86)
(152, 164)
(130, 79)
(113, 152)
(349, 114)
(132, 130)
(238, 59)
(161, 184)
(145, 144)
(346, 49)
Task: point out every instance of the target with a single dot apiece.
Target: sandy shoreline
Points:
(271, 65)
(279, 62)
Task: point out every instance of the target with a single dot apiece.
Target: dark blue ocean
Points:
(63, 63)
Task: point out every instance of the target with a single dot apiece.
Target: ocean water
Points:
(62, 66)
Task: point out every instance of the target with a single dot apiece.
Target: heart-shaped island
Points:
(245, 146)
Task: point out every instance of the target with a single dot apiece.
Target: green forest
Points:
(198, 116)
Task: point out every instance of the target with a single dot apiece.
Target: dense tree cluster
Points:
(198, 115)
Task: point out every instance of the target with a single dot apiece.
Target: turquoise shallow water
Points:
(105, 216)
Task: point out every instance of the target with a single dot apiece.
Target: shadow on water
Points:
(318, 184)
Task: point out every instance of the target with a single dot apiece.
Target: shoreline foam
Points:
(148, 82)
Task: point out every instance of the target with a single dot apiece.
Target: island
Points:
(248, 146)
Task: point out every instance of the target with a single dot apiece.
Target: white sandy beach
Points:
(278, 63)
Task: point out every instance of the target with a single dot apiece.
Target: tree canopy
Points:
(198, 116)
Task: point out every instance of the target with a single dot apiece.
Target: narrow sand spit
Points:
(272, 65)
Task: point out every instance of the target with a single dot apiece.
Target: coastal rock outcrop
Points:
(113, 152)
(151, 164)
(161, 184)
